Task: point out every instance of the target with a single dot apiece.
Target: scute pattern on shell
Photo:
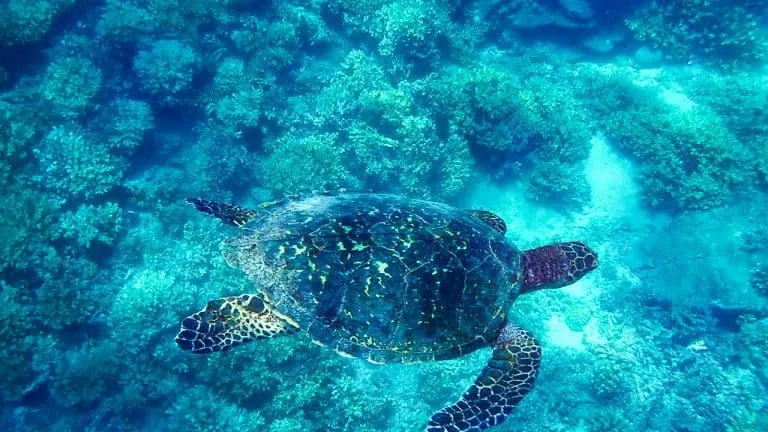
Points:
(382, 277)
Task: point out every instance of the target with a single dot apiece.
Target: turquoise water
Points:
(641, 129)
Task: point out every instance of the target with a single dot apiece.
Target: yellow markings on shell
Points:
(372, 361)
(407, 242)
(344, 354)
(298, 250)
(382, 268)
(269, 204)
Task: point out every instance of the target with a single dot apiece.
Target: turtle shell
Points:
(381, 277)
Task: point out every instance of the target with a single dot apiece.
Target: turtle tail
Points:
(556, 265)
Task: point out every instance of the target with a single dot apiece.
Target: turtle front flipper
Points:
(230, 214)
(507, 377)
(230, 321)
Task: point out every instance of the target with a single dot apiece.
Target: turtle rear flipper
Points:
(507, 377)
(230, 321)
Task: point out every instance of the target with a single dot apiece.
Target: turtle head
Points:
(556, 265)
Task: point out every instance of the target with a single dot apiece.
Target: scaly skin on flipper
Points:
(230, 321)
(508, 377)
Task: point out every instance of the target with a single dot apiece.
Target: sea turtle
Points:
(388, 279)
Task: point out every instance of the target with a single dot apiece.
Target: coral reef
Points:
(166, 70)
(23, 22)
(719, 33)
(688, 158)
(75, 166)
(112, 112)
(70, 85)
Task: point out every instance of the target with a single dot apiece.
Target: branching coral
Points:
(408, 29)
(124, 124)
(147, 293)
(75, 166)
(70, 85)
(71, 295)
(307, 164)
(273, 44)
(739, 100)
(23, 21)
(718, 32)
(21, 373)
(20, 127)
(688, 158)
(235, 97)
(759, 279)
(166, 70)
(532, 122)
(189, 408)
(382, 133)
(89, 224)
(125, 21)
(85, 375)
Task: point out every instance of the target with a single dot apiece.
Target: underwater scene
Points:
(400, 215)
